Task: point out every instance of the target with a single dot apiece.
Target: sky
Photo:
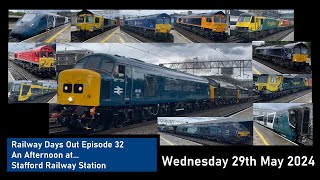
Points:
(158, 53)
(150, 12)
(275, 106)
(12, 47)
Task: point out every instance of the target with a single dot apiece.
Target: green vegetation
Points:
(16, 13)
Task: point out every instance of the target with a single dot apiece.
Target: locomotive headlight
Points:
(80, 88)
(32, 24)
(214, 29)
(70, 99)
(66, 88)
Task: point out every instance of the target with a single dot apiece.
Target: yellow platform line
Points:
(255, 70)
(54, 36)
(105, 39)
(261, 136)
(167, 141)
(121, 40)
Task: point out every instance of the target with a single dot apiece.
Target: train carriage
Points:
(36, 22)
(39, 60)
(292, 123)
(156, 26)
(210, 25)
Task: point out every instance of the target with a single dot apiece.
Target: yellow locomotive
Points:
(89, 23)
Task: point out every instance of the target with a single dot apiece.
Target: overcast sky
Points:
(275, 106)
(12, 47)
(150, 12)
(158, 53)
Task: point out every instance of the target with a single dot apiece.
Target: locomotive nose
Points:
(79, 87)
(20, 32)
(243, 133)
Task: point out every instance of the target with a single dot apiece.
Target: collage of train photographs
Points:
(193, 77)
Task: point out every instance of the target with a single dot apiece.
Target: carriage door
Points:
(50, 22)
(305, 121)
(128, 85)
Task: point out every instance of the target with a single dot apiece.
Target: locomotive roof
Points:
(205, 14)
(291, 45)
(150, 16)
(84, 11)
(240, 87)
(225, 84)
(248, 14)
(36, 48)
(142, 64)
(217, 121)
(42, 12)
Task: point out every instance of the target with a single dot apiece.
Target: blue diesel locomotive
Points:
(155, 27)
(293, 55)
(104, 91)
(226, 132)
(36, 22)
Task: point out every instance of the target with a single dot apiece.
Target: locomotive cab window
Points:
(216, 19)
(224, 20)
(209, 19)
(25, 90)
(120, 71)
(80, 19)
(252, 19)
(89, 19)
(107, 66)
(43, 54)
(96, 20)
(50, 54)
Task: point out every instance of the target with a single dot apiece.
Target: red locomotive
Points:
(39, 60)
(285, 23)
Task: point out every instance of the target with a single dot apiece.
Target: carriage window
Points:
(270, 118)
(43, 54)
(50, 54)
(150, 86)
(96, 20)
(209, 19)
(107, 66)
(224, 20)
(35, 90)
(80, 19)
(89, 19)
(25, 90)
(216, 19)
(276, 120)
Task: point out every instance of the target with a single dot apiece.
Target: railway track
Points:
(76, 38)
(281, 69)
(24, 73)
(137, 36)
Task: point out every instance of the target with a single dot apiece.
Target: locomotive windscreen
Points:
(263, 79)
(244, 18)
(28, 17)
